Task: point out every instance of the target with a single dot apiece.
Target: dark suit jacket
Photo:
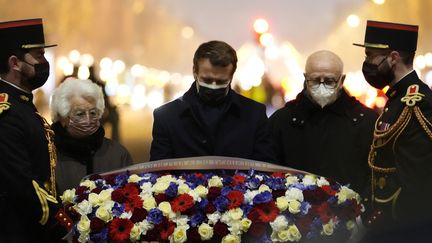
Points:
(332, 142)
(179, 130)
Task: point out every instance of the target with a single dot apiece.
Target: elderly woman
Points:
(82, 149)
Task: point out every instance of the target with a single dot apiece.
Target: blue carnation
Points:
(202, 204)
(304, 208)
(172, 189)
(275, 183)
(252, 183)
(225, 191)
(263, 197)
(102, 236)
(246, 208)
(121, 179)
(242, 188)
(227, 180)
(148, 177)
(155, 216)
(197, 219)
(221, 203)
(117, 209)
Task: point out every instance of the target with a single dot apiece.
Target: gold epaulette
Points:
(44, 197)
(4, 104)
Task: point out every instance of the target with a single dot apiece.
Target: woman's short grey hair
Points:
(60, 100)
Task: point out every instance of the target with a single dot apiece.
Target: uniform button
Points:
(380, 122)
(355, 119)
(302, 122)
(294, 119)
(386, 109)
(361, 114)
(204, 141)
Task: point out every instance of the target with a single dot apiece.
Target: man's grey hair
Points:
(60, 100)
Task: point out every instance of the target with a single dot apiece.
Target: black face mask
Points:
(41, 74)
(375, 77)
(212, 96)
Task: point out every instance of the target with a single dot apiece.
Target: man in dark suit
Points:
(29, 208)
(401, 152)
(324, 130)
(211, 118)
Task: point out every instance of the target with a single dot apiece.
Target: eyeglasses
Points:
(329, 83)
(82, 114)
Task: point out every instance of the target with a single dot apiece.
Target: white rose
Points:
(68, 196)
(291, 180)
(322, 182)
(93, 198)
(294, 194)
(149, 202)
(294, 206)
(88, 183)
(83, 208)
(279, 223)
(201, 191)
(104, 214)
(179, 235)
(245, 223)
(231, 239)
(183, 188)
(214, 217)
(134, 178)
(282, 203)
(205, 231)
(83, 225)
(135, 233)
(328, 228)
(215, 181)
(309, 180)
(294, 233)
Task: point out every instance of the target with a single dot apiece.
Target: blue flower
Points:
(275, 183)
(197, 219)
(227, 180)
(221, 203)
(263, 197)
(102, 236)
(252, 183)
(304, 208)
(225, 191)
(246, 208)
(241, 187)
(172, 189)
(148, 177)
(121, 179)
(155, 216)
(117, 209)
(203, 204)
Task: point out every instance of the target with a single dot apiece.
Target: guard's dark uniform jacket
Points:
(27, 204)
(401, 160)
(180, 130)
(333, 141)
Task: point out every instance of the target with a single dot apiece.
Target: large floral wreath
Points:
(218, 205)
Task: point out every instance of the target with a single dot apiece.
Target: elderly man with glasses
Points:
(324, 130)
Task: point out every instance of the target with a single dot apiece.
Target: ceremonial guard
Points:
(401, 153)
(29, 208)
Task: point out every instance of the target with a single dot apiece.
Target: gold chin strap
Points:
(49, 134)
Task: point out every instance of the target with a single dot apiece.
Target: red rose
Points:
(220, 229)
(349, 211)
(96, 224)
(110, 179)
(95, 177)
(316, 196)
(151, 235)
(117, 196)
(236, 199)
(182, 203)
(213, 193)
(210, 208)
(303, 224)
(138, 215)
(119, 229)
(257, 229)
(96, 190)
(81, 189)
(161, 197)
(278, 193)
(192, 234)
